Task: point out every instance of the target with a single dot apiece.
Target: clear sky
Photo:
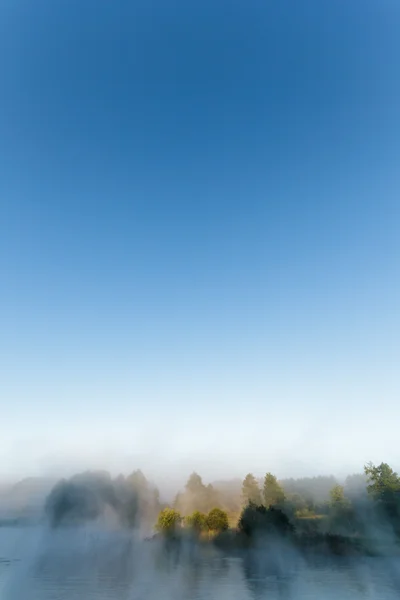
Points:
(199, 235)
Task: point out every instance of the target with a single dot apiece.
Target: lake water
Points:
(36, 564)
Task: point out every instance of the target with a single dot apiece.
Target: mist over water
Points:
(95, 563)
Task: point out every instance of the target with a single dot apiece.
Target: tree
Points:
(83, 497)
(337, 495)
(315, 490)
(197, 496)
(197, 521)
(91, 495)
(195, 484)
(217, 520)
(211, 498)
(384, 488)
(139, 500)
(178, 501)
(296, 502)
(257, 520)
(168, 521)
(383, 481)
(138, 481)
(272, 491)
(341, 514)
(250, 490)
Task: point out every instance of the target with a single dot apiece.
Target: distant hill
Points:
(24, 499)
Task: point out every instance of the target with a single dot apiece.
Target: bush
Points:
(217, 520)
(259, 519)
(169, 520)
(197, 521)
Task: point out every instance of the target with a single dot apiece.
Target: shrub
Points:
(197, 521)
(217, 520)
(168, 521)
(259, 519)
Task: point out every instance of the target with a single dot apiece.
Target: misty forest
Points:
(360, 516)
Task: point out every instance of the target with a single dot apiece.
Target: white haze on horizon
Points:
(168, 460)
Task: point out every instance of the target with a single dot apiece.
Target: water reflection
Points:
(90, 565)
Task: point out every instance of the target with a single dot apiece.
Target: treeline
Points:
(345, 519)
(307, 505)
(130, 501)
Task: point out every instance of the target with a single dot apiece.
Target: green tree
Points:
(384, 488)
(197, 521)
(383, 482)
(250, 490)
(342, 517)
(217, 520)
(337, 496)
(168, 521)
(273, 492)
(315, 490)
(257, 520)
(296, 505)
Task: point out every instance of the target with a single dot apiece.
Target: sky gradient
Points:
(199, 236)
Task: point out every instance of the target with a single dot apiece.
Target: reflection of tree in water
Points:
(192, 576)
(264, 578)
(256, 583)
(204, 573)
(381, 573)
(222, 566)
(197, 568)
(168, 554)
(77, 562)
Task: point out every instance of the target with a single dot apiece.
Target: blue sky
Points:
(199, 235)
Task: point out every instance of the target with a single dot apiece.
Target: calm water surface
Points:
(38, 565)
